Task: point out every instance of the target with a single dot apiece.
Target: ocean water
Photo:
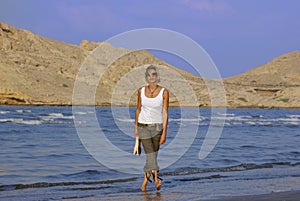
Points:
(44, 156)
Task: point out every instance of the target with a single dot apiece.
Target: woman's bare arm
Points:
(137, 113)
(165, 116)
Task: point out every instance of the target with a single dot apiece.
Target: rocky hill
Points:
(35, 70)
(274, 84)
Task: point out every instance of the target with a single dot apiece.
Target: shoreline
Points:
(130, 106)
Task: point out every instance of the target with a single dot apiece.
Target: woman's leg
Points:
(155, 142)
(156, 145)
(151, 155)
(147, 176)
(151, 144)
(157, 182)
(145, 137)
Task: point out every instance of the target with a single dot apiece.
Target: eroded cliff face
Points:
(274, 84)
(40, 71)
(35, 70)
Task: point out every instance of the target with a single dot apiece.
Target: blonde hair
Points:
(152, 67)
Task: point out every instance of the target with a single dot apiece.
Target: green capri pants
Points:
(150, 135)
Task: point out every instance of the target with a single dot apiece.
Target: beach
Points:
(186, 191)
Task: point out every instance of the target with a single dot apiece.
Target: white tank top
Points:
(151, 110)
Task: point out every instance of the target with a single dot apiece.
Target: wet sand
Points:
(287, 196)
(130, 191)
(276, 196)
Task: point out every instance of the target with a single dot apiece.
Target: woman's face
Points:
(151, 76)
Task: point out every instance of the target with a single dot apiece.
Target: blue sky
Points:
(237, 34)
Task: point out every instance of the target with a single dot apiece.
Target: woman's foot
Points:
(145, 182)
(144, 186)
(157, 182)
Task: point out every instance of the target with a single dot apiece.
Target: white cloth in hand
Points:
(137, 147)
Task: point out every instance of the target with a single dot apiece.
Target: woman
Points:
(151, 121)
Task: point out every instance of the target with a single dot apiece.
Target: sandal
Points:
(158, 182)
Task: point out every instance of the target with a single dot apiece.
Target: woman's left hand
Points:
(162, 139)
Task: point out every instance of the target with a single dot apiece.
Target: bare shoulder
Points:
(140, 89)
(165, 90)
